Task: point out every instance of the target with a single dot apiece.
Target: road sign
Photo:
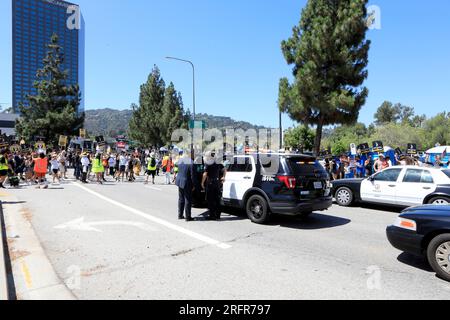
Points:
(197, 124)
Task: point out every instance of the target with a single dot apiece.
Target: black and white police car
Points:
(265, 184)
(402, 186)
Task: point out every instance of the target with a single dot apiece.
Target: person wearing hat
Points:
(84, 166)
(151, 167)
(97, 168)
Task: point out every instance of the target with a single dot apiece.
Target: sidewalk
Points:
(34, 276)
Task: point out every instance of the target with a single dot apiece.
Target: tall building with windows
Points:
(34, 22)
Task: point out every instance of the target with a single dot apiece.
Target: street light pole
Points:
(193, 80)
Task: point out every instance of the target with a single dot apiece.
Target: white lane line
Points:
(162, 222)
(154, 188)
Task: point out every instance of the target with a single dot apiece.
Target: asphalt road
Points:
(123, 241)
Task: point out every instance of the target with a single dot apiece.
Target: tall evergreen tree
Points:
(54, 110)
(329, 54)
(173, 113)
(146, 124)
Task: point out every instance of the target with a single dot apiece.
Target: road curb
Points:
(4, 292)
(34, 275)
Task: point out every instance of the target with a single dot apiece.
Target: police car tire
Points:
(346, 193)
(439, 199)
(264, 215)
(432, 255)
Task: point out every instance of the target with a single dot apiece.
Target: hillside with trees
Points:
(111, 123)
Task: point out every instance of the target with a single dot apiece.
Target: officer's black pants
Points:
(213, 199)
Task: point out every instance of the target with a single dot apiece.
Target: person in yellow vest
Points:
(98, 168)
(4, 167)
(151, 167)
(175, 168)
(40, 170)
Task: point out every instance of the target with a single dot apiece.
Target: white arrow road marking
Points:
(162, 222)
(80, 225)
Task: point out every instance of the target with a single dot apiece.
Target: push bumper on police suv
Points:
(293, 209)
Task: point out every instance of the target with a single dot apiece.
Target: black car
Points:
(425, 231)
(265, 184)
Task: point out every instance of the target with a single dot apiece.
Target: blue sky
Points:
(235, 46)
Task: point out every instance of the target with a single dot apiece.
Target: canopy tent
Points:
(163, 149)
(439, 150)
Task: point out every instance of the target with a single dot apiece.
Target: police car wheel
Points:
(344, 197)
(439, 201)
(438, 255)
(257, 209)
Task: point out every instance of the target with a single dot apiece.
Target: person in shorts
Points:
(40, 170)
(54, 167)
(122, 166)
(151, 167)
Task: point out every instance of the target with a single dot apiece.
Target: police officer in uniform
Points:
(212, 182)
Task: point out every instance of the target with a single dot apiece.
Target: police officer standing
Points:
(212, 181)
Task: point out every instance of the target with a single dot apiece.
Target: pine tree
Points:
(329, 54)
(54, 110)
(146, 124)
(173, 113)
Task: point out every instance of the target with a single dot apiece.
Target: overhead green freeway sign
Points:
(197, 124)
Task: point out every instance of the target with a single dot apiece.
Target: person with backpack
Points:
(151, 168)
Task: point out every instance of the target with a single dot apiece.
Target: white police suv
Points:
(265, 184)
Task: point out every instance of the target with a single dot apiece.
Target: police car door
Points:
(239, 178)
(415, 186)
(381, 187)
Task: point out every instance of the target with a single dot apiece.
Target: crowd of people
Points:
(32, 168)
(361, 166)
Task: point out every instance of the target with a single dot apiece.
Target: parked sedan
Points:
(425, 231)
(402, 186)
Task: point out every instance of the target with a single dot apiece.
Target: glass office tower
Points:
(34, 22)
